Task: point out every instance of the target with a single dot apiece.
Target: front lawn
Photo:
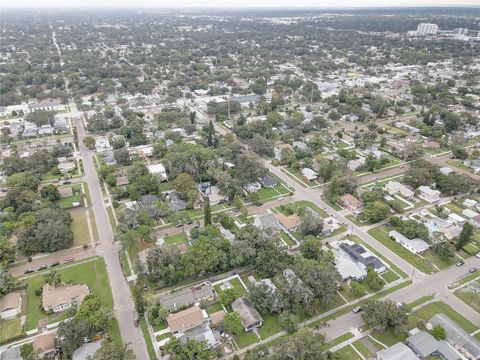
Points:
(347, 352)
(79, 227)
(10, 329)
(92, 273)
(381, 234)
(469, 294)
(175, 239)
(271, 326)
(245, 339)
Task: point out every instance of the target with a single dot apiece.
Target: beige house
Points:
(10, 306)
(44, 345)
(61, 298)
(185, 319)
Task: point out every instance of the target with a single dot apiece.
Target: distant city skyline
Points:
(233, 3)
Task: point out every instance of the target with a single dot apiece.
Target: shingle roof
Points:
(248, 313)
(185, 319)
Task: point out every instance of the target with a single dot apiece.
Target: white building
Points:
(10, 306)
(428, 194)
(158, 169)
(416, 246)
(427, 29)
(102, 144)
(394, 187)
(309, 174)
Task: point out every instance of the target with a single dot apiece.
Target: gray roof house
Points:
(11, 354)
(399, 351)
(187, 296)
(268, 181)
(266, 220)
(251, 318)
(86, 351)
(423, 344)
(458, 337)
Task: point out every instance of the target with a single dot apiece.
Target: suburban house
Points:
(395, 187)
(54, 105)
(268, 181)
(61, 298)
(253, 187)
(216, 318)
(86, 351)
(102, 144)
(416, 246)
(202, 334)
(10, 306)
(399, 351)
(251, 319)
(212, 192)
(65, 191)
(266, 220)
(11, 354)
(309, 174)
(424, 345)
(187, 296)
(289, 223)
(351, 203)
(457, 337)
(185, 319)
(122, 181)
(44, 346)
(66, 167)
(428, 194)
(159, 170)
(352, 260)
(357, 163)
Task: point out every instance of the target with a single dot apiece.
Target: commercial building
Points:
(427, 29)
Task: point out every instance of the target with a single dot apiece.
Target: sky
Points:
(231, 3)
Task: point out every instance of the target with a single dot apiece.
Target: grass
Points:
(464, 280)
(389, 276)
(338, 340)
(360, 346)
(111, 218)
(92, 273)
(93, 224)
(124, 263)
(389, 338)
(245, 339)
(148, 340)
(175, 239)
(419, 301)
(79, 227)
(10, 328)
(381, 234)
(271, 325)
(347, 353)
(300, 205)
(162, 337)
(438, 307)
(470, 298)
(288, 240)
(211, 308)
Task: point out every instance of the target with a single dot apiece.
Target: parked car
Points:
(66, 182)
(55, 263)
(42, 267)
(29, 270)
(460, 263)
(68, 260)
(145, 287)
(258, 203)
(477, 255)
(136, 322)
(472, 270)
(357, 309)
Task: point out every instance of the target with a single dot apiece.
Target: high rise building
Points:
(427, 29)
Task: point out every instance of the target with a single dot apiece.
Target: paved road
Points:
(123, 302)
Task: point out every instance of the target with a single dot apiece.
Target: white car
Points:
(478, 255)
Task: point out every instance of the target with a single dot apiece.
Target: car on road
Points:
(477, 255)
(460, 263)
(55, 263)
(258, 203)
(42, 267)
(29, 270)
(66, 182)
(357, 309)
(68, 260)
(136, 322)
(472, 270)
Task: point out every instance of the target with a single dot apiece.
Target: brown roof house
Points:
(61, 298)
(65, 191)
(217, 317)
(289, 223)
(44, 345)
(251, 319)
(351, 203)
(10, 306)
(185, 319)
(122, 181)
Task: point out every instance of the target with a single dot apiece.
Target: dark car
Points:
(42, 267)
(258, 203)
(145, 287)
(29, 270)
(66, 182)
(472, 270)
(55, 263)
(136, 322)
(357, 309)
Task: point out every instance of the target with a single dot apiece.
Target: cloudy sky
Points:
(232, 3)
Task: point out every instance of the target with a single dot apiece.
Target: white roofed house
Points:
(309, 174)
(10, 306)
(428, 194)
(416, 246)
(394, 187)
(102, 144)
(61, 298)
(54, 105)
(159, 170)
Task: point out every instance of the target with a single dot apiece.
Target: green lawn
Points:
(175, 239)
(419, 301)
(389, 276)
(463, 280)
(92, 273)
(124, 263)
(470, 298)
(455, 208)
(245, 339)
(338, 340)
(211, 308)
(300, 205)
(10, 328)
(148, 340)
(347, 353)
(381, 234)
(270, 326)
(363, 349)
(79, 227)
(389, 338)
(285, 237)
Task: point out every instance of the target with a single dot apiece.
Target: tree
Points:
(164, 265)
(92, 311)
(373, 280)
(460, 153)
(122, 156)
(210, 134)
(52, 278)
(357, 289)
(184, 183)
(192, 116)
(71, 335)
(311, 248)
(305, 345)
(465, 236)
(233, 323)
(385, 315)
(6, 281)
(438, 332)
(50, 193)
(376, 211)
(190, 350)
(310, 224)
(445, 250)
(261, 145)
(23, 179)
(207, 213)
(89, 142)
(288, 321)
(228, 296)
(110, 351)
(7, 251)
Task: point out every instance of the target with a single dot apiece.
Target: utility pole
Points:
(228, 107)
